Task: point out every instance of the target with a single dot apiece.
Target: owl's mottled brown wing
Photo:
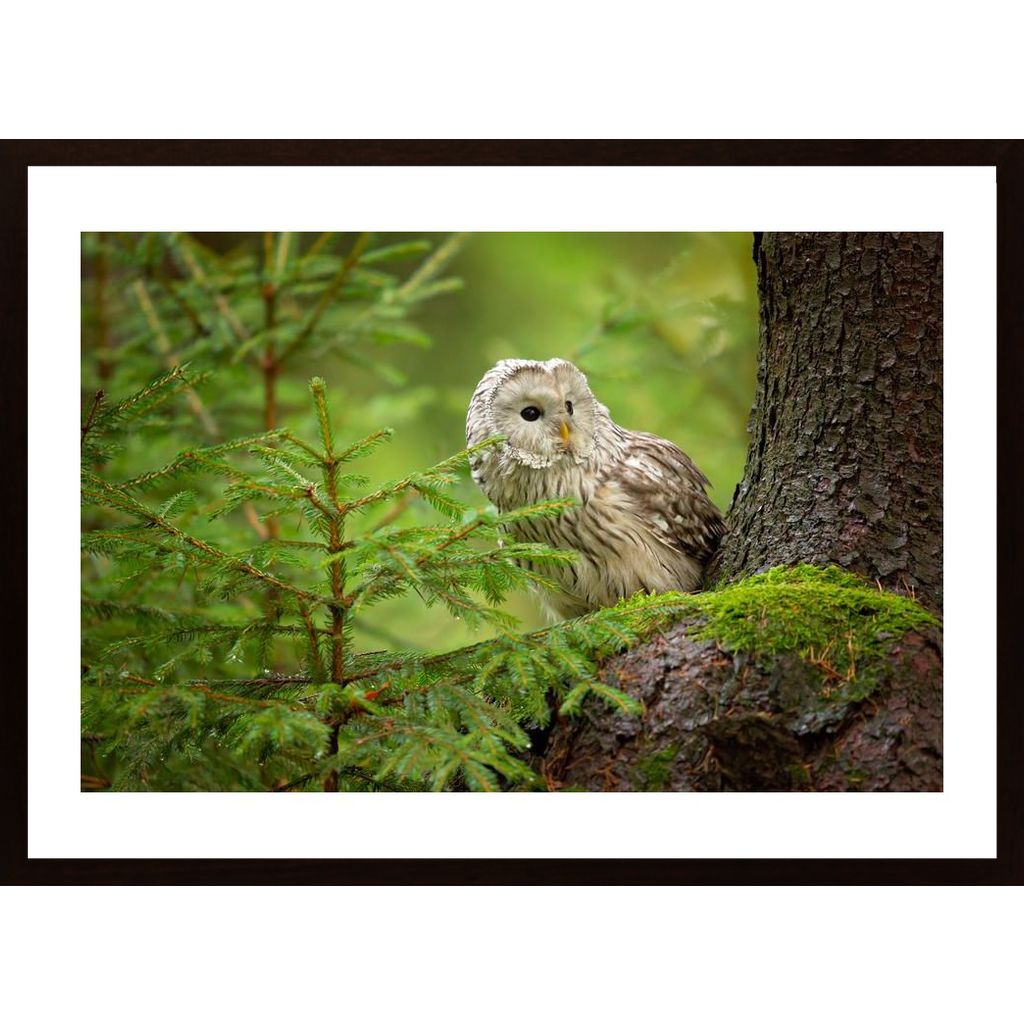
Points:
(668, 490)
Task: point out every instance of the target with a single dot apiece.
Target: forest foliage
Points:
(246, 577)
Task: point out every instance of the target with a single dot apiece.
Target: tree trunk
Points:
(845, 458)
(844, 467)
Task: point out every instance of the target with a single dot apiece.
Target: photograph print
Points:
(511, 512)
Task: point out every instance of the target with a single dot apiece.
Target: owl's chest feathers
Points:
(513, 485)
(617, 553)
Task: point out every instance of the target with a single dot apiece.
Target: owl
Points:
(642, 521)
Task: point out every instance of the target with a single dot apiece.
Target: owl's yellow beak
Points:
(564, 427)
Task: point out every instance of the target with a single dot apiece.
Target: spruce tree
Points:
(223, 584)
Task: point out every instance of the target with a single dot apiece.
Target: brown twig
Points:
(331, 780)
(102, 318)
(228, 698)
(256, 681)
(204, 688)
(97, 401)
(314, 646)
(324, 238)
(457, 536)
(337, 577)
(284, 785)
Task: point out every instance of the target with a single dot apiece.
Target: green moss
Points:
(835, 621)
(822, 631)
(653, 771)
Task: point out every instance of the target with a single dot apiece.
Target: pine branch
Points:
(268, 680)
(183, 249)
(199, 329)
(433, 265)
(154, 394)
(123, 501)
(195, 459)
(166, 350)
(97, 401)
(325, 299)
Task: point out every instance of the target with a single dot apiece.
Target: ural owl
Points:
(643, 521)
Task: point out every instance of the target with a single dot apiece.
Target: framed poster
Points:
(787, 755)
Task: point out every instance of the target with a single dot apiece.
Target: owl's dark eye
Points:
(568, 408)
(531, 412)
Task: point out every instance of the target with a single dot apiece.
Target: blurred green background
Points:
(664, 325)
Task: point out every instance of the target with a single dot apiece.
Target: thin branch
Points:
(324, 238)
(283, 787)
(433, 265)
(366, 589)
(281, 261)
(395, 511)
(199, 276)
(102, 313)
(326, 297)
(314, 646)
(457, 536)
(97, 401)
(193, 317)
(231, 561)
(163, 344)
(287, 435)
(358, 773)
(193, 399)
(430, 267)
(331, 781)
(225, 697)
(256, 681)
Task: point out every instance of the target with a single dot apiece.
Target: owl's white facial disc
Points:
(546, 411)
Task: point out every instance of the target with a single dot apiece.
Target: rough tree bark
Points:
(844, 466)
(845, 458)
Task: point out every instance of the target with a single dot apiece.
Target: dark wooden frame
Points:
(1008, 158)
